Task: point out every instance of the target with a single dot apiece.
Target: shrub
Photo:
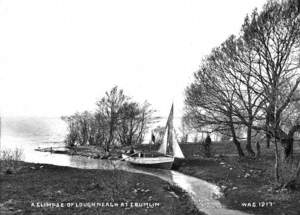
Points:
(8, 158)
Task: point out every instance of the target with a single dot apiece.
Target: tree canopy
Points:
(117, 120)
(251, 81)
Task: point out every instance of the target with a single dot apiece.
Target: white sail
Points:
(165, 144)
(169, 147)
(169, 139)
(176, 148)
(163, 147)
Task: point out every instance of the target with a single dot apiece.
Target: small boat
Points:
(161, 162)
(165, 156)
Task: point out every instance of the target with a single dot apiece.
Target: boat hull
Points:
(151, 162)
(166, 165)
(177, 163)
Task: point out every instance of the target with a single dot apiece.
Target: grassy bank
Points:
(31, 188)
(247, 184)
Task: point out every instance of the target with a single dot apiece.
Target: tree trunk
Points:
(276, 166)
(291, 184)
(236, 142)
(257, 149)
(248, 144)
(288, 141)
(239, 148)
(269, 122)
(288, 145)
(268, 139)
(110, 139)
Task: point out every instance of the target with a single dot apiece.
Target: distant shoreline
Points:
(89, 151)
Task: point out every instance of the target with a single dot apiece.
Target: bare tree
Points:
(252, 79)
(109, 108)
(147, 118)
(116, 120)
(134, 122)
(80, 126)
(209, 100)
(235, 63)
(274, 35)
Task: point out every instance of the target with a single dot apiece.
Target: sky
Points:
(60, 56)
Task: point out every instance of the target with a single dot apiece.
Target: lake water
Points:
(28, 134)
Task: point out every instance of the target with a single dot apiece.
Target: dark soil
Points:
(27, 189)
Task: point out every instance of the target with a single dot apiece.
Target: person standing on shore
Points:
(207, 144)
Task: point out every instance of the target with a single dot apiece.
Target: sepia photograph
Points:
(161, 107)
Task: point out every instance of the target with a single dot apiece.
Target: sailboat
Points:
(168, 151)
